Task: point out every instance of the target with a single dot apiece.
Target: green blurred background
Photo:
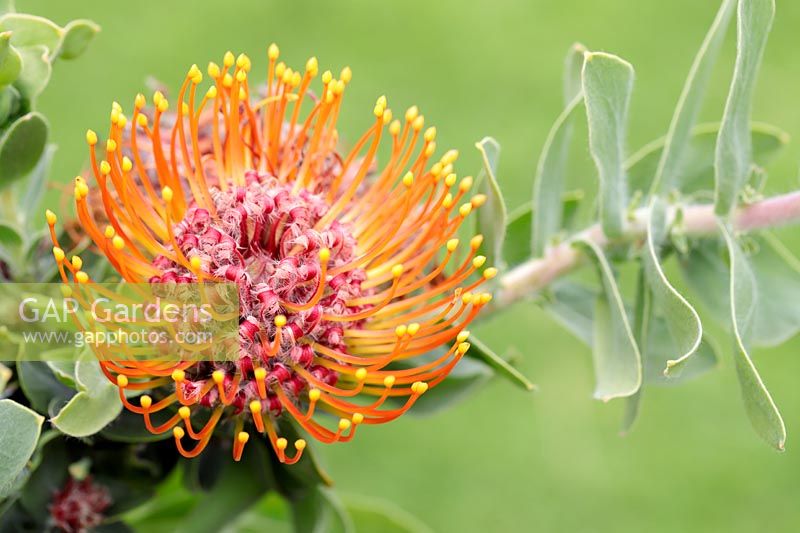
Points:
(503, 460)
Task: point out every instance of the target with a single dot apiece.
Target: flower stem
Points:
(697, 220)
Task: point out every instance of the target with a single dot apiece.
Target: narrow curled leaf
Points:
(617, 361)
(734, 153)
(480, 350)
(493, 216)
(548, 184)
(76, 38)
(518, 236)
(681, 318)
(680, 129)
(607, 87)
(572, 306)
(759, 405)
(17, 441)
(10, 60)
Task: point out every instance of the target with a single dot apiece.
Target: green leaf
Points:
(734, 154)
(661, 348)
(548, 184)
(10, 60)
(617, 361)
(518, 237)
(696, 172)
(10, 240)
(30, 30)
(21, 147)
(40, 386)
(679, 134)
(572, 306)
(77, 36)
(22, 427)
(320, 511)
(760, 407)
(372, 514)
(34, 187)
(607, 87)
(35, 74)
(479, 350)
(682, 319)
(493, 216)
(96, 404)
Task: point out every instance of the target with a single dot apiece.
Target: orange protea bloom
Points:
(343, 270)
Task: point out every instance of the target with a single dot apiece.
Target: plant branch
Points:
(696, 220)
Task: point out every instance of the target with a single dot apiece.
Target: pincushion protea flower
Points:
(343, 269)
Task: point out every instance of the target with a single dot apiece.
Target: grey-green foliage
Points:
(748, 284)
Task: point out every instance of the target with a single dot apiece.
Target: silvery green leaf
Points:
(493, 216)
(21, 147)
(10, 60)
(758, 402)
(734, 153)
(617, 361)
(607, 87)
(35, 73)
(572, 306)
(518, 237)
(76, 37)
(34, 187)
(31, 30)
(17, 441)
(480, 350)
(679, 134)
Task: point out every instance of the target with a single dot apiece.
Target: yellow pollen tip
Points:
(436, 169)
(388, 381)
(273, 51)
(430, 149)
(413, 328)
(105, 168)
(166, 194)
(213, 70)
(397, 271)
(114, 115)
(387, 116)
(58, 253)
(51, 217)
(418, 123)
(280, 68)
(118, 242)
(446, 169)
(109, 232)
(430, 134)
(452, 244)
(178, 432)
(489, 273)
(478, 200)
(465, 209)
(157, 97)
(447, 203)
(327, 77)
(465, 185)
(227, 81)
(361, 374)
(77, 262)
(338, 87)
(296, 79)
(242, 94)
(140, 101)
(394, 127)
(218, 376)
(463, 347)
(127, 164)
(242, 60)
(346, 74)
(255, 406)
(243, 437)
(195, 75)
(450, 156)
(412, 113)
(242, 75)
(486, 298)
(312, 66)
(111, 145)
(195, 262)
(281, 443)
(122, 380)
(141, 120)
(81, 277)
(228, 59)
(476, 242)
(344, 424)
(211, 92)
(478, 261)
(466, 298)
(408, 179)
(300, 445)
(324, 255)
(462, 336)
(122, 120)
(450, 180)
(357, 418)
(260, 374)
(145, 401)
(163, 105)
(184, 412)
(91, 138)
(419, 387)
(178, 375)
(280, 321)
(314, 395)
(378, 111)
(382, 101)
(400, 330)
